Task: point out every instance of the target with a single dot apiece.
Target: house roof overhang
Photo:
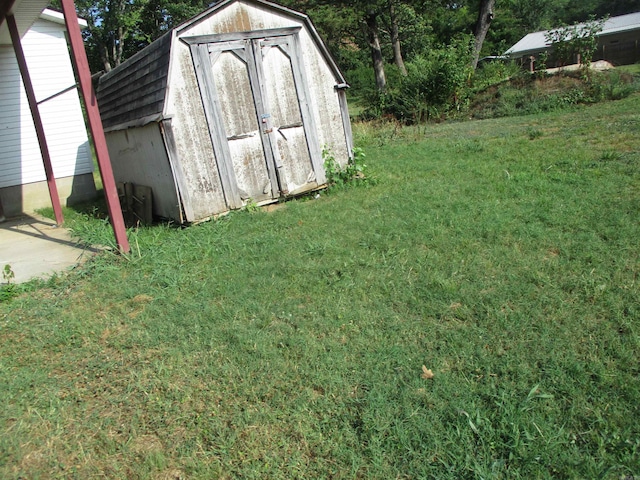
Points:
(26, 12)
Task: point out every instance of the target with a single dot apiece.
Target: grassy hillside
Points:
(501, 255)
(523, 94)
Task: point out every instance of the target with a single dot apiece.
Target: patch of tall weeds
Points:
(355, 172)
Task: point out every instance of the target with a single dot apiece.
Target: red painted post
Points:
(5, 8)
(37, 120)
(83, 73)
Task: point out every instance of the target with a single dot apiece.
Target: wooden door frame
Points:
(211, 103)
(199, 46)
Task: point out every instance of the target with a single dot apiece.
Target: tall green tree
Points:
(364, 28)
(485, 17)
(159, 16)
(581, 11)
(617, 7)
(373, 37)
(339, 26)
(535, 15)
(395, 37)
(119, 28)
(111, 27)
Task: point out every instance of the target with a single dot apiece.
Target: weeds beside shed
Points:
(231, 107)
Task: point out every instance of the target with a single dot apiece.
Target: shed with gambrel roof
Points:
(233, 106)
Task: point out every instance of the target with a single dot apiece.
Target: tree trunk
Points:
(120, 46)
(395, 39)
(485, 16)
(104, 56)
(376, 50)
(112, 55)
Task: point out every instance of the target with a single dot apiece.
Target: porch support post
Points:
(81, 65)
(37, 120)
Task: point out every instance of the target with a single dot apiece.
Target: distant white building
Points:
(618, 42)
(23, 185)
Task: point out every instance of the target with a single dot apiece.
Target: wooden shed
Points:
(231, 107)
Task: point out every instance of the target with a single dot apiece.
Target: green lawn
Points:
(501, 254)
(632, 69)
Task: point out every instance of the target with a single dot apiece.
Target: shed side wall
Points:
(138, 156)
(325, 101)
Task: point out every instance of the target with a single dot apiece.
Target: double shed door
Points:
(255, 96)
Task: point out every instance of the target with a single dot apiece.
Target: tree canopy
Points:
(361, 34)
(407, 29)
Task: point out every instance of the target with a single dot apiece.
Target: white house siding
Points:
(50, 68)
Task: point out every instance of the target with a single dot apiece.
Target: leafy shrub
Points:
(529, 94)
(436, 83)
(354, 172)
(493, 73)
(612, 85)
(360, 80)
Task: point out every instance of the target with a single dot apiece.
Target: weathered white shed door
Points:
(256, 99)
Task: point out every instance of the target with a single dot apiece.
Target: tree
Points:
(376, 27)
(371, 22)
(485, 17)
(110, 27)
(365, 17)
(616, 7)
(159, 16)
(395, 38)
(575, 43)
(116, 29)
(536, 15)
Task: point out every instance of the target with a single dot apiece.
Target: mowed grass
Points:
(503, 255)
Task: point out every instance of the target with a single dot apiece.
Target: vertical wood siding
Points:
(194, 151)
(323, 103)
(48, 59)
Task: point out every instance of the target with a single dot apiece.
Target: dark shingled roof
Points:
(135, 90)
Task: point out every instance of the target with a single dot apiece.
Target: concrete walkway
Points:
(34, 247)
